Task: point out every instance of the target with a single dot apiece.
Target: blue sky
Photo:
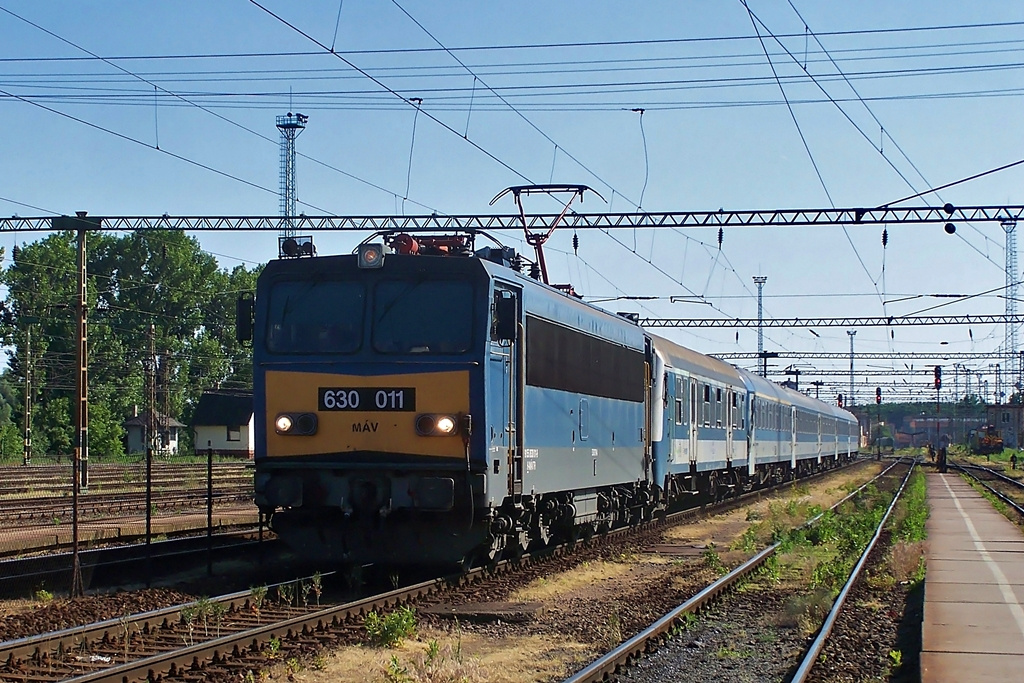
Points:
(930, 105)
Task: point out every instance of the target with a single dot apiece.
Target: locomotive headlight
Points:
(436, 425)
(445, 424)
(296, 424)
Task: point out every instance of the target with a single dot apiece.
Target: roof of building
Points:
(223, 407)
(141, 420)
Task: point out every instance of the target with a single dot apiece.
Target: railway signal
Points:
(878, 394)
(938, 377)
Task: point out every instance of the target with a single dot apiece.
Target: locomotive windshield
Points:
(315, 317)
(422, 316)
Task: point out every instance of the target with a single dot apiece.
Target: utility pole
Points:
(759, 280)
(26, 457)
(849, 399)
(150, 366)
(82, 388)
(817, 388)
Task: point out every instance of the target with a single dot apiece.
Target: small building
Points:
(1008, 418)
(223, 423)
(138, 425)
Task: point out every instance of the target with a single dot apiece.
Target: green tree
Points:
(158, 279)
(106, 435)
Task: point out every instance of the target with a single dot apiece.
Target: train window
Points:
(679, 411)
(706, 409)
(719, 407)
(422, 316)
(558, 357)
(315, 317)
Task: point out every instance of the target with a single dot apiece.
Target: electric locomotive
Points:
(403, 417)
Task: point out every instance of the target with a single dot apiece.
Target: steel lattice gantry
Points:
(883, 321)
(865, 355)
(947, 214)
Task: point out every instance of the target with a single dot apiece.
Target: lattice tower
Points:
(1012, 357)
(759, 280)
(290, 126)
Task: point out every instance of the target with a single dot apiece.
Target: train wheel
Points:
(713, 486)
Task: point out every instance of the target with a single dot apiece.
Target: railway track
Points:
(18, 482)
(104, 505)
(639, 646)
(154, 644)
(1007, 489)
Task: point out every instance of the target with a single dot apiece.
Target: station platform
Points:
(973, 626)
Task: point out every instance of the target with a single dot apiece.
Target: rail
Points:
(964, 468)
(811, 656)
(634, 648)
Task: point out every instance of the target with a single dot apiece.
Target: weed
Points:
(317, 586)
(273, 648)
(689, 620)
(753, 515)
(390, 630)
(216, 615)
(293, 665)
(43, 595)
(747, 542)
(319, 662)
(895, 658)
(285, 593)
(395, 672)
(613, 631)
(433, 650)
(726, 652)
(712, 560)
(257, 594)
(771, 569)
(188, 617)
(126, 626)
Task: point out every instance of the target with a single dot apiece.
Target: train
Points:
(422, 401)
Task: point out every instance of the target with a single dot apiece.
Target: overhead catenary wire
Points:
(208, 110)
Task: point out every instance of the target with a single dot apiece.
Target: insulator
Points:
(721, 234)
(885, 237)
(575, 243)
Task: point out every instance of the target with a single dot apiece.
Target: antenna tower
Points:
(290, 126)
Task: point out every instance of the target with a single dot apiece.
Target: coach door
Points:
(730, 410)
(505, 395)
(693, 422)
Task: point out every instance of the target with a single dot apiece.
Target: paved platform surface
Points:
(974, 591)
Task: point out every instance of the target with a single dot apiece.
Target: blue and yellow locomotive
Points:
(420, 402)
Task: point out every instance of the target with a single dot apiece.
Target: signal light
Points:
(839, 400)
(878, 394)
(938, 377)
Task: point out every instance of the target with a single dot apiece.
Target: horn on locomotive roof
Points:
(537, 239)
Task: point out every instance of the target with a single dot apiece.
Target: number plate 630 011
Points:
(367, 398)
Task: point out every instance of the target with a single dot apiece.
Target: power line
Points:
(535, 46)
